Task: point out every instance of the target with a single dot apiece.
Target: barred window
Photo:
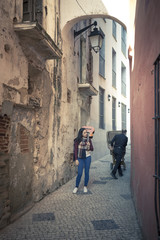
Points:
(113, 68)
(124, 123)
(123, 79)
(102, 59)
(114, 29)
(123, 40)
(32, 10)
(113, 113)
(101, 108)
(83, 60)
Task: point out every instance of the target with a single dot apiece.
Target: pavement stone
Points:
(105, 212)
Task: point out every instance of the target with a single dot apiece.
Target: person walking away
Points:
(119, 142)
(82, 152)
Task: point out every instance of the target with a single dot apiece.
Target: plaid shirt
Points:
(82, 146)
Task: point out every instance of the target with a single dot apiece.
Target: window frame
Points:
(123, 40)
(101, 108)
(114, 102)
(114, 29)
(123, 80)
(102, 58)
(123, 116)
(114, 57)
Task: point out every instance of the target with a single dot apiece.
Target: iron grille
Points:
(157, 141)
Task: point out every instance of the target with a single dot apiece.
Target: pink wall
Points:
(147, 49)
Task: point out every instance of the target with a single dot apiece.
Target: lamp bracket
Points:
(76, 33)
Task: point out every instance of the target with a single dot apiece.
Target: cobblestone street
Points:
(105, 212)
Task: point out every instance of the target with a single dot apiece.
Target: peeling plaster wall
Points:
(12, 60)
(21, 158)
(31, 95)
(76, 108)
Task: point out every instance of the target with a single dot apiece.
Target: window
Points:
(113, 68)
(113, 113)
(83, 60)
(28, 12)
(123, 79)
(123, 108)
(102, 59)
(114, 29)
(123, 40)
(101, 108)
(32, 10)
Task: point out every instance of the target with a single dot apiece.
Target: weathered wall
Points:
(146, 50)
(75, 107)
(34, 160)
(5, 209)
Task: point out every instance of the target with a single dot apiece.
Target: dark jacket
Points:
(119, 141)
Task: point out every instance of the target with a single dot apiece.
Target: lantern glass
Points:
(96, 39)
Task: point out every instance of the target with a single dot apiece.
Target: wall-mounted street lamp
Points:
(109, 97)
(128, 110)
(119, 104)
(96, 36)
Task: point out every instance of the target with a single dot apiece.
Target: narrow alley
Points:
(105, 212)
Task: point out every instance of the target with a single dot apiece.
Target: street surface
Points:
(105, 212)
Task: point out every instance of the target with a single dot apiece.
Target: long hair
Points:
(79, 137)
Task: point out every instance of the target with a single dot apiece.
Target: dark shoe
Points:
(121, 174)
(113, 175)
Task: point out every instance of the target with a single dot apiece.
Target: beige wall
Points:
(106, 84)
(71, 11)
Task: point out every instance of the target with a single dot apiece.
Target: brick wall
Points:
(4, 133)
(4, 171)
(24, 139)
(5, 211)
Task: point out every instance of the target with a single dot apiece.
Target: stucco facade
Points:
(105, 83)
(144, 52)
(30, 100)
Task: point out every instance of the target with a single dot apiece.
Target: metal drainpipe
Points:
(157, 121)
(157, 162)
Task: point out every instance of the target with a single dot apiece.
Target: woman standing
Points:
(82, 152)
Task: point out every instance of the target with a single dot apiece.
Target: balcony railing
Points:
(87, 89)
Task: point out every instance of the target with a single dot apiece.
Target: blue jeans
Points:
(86, 164)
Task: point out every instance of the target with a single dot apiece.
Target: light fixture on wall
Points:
(109, 97)
(128, 110)
(96, 36)
(119, 104)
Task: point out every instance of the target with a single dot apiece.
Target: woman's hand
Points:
(77, 162)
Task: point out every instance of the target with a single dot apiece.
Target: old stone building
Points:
(30, 104)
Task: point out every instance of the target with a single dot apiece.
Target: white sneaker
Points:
(75, 190)
(85, 190)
